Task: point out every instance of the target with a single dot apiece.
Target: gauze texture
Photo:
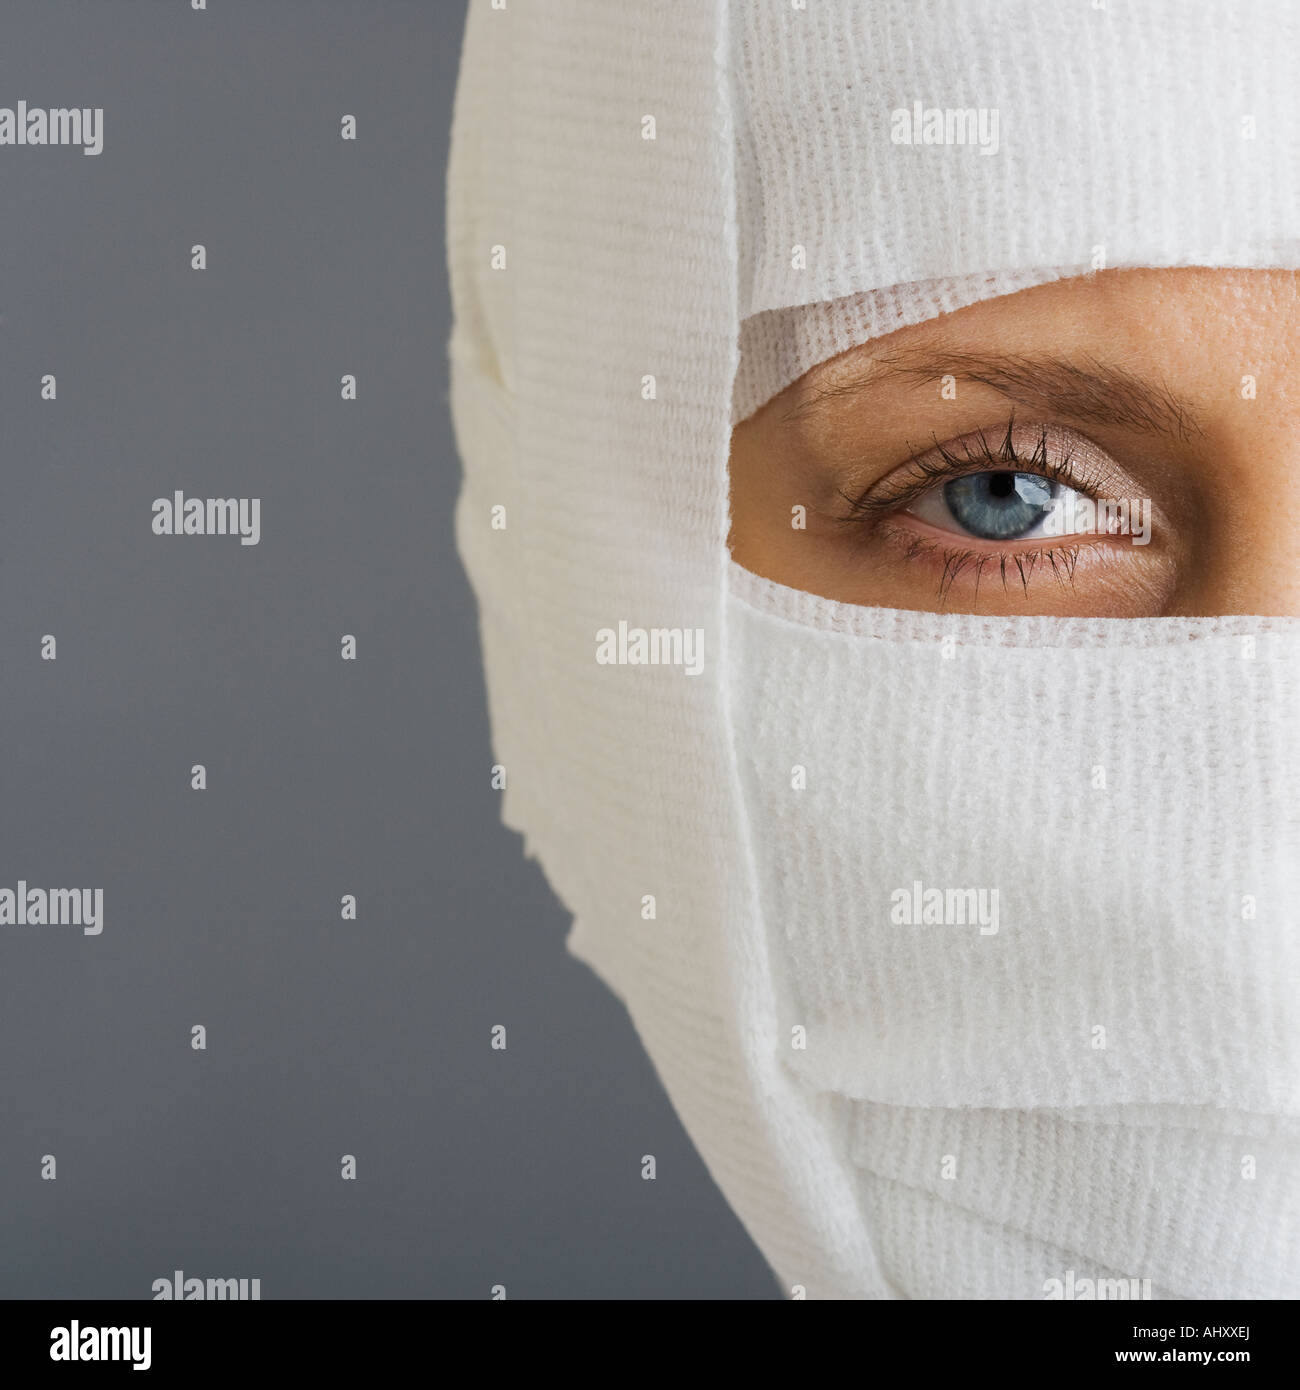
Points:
(1054, 139)
(600, 280)
(1089, 1033)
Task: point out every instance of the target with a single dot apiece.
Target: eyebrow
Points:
(1088, 391)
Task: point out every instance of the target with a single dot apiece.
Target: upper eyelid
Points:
(872, 502)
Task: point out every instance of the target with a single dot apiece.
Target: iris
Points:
(1000, 506)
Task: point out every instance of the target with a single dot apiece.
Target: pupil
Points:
(1002, 484)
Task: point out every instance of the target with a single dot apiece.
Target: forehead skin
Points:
(1202, 328)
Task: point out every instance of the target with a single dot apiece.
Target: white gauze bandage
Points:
(659, 214)
(1030, 888)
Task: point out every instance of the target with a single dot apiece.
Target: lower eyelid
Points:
(951, 559)
(916, 526)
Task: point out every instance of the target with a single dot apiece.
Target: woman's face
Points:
(1124, 445)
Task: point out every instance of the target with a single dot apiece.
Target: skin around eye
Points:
(1004, 508)
(1137, 408)
(1014, 518)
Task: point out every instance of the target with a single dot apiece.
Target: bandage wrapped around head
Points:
(659, 216)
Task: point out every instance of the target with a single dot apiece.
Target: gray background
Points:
(221, 907)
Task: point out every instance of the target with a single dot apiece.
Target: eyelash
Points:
(872, 507)
(1062, 559)
(926, 472)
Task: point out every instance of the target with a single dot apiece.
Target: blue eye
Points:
(999, 506)
(995, 505)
